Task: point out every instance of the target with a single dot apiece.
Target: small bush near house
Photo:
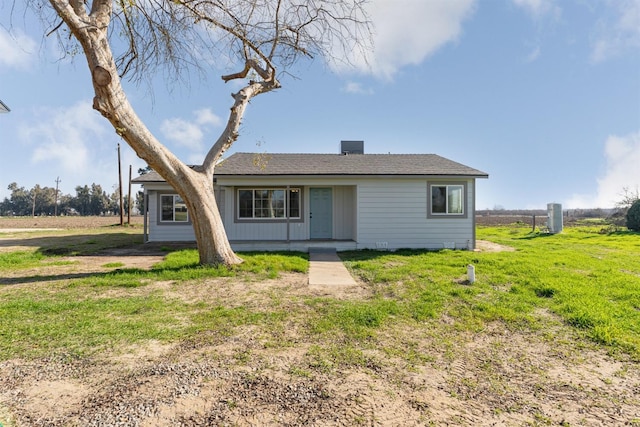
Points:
(633, 216)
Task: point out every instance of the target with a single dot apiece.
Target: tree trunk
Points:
(194, 186)
(212, 241)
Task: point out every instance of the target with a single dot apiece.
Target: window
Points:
(294, 203)
(173, 209)
(447, 199)
(269, 203)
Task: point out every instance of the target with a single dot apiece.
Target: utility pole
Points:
(55, 206)
(120, 188)
(33, 208)
(35, 195)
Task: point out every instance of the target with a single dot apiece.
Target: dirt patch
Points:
(494, 378)
(486, 246)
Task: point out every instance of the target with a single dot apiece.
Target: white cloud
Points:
(406, 32)
(618, 34)
(622, 170)
(207, 117)
(16, 50)
(60, 135)
(356, 88)
(75, 144)
(186, 134)
(190, 134)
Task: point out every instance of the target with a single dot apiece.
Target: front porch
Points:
(292, 245)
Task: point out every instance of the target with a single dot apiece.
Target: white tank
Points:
(554, 217)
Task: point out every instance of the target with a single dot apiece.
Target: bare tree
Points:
(263, 37)
(628, 197)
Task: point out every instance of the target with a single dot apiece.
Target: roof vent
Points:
(351, 147)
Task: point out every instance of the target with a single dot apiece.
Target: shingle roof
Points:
(339, 164)
(151, 176)
(259, 164)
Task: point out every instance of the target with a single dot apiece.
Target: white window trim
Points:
(285, 218)
(447, 184)
(172, 221)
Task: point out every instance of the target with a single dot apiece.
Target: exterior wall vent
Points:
(351, 147)
(382, 246)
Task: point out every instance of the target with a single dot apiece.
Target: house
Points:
(346, 201)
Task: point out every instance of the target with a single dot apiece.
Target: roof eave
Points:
(334, 175)
(142, 181)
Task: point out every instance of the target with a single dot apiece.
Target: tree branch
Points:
(276, 31)
(239, 75)
(56, 28)
(230, 133)
(247, 43)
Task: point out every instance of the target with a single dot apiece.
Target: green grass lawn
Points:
(586, 280)
(590, 280)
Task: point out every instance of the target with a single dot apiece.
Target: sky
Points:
(543, 95)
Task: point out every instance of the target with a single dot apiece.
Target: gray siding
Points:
(166, 232)
(343, 219)
(393, 215)
(255, 231)
(377, 213)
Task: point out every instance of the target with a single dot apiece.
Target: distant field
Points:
(104, 221)
(65, 221)
(541, 220)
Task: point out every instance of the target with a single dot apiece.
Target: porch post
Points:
(145, 214)
(286, 211)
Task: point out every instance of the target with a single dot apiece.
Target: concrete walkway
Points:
(326, 268)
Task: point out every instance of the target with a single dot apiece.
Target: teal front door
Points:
(320, 213)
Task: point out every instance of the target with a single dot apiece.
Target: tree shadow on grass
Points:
(118, 277)
(91, 244)
(72, 244)
(537, 235)
(77, 247)
(42, 278)
(115, 247)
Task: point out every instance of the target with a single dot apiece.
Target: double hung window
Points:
(173, 209)
(269, 203)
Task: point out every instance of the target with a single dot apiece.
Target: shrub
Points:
(633, 216)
